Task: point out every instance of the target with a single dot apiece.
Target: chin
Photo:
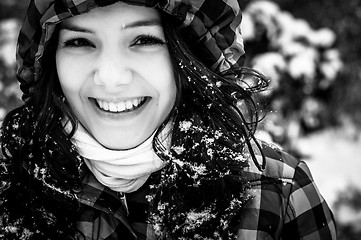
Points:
(119, 144)
(122, 140)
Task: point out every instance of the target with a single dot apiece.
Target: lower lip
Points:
(119, 115)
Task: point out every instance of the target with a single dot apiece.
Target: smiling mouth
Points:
(122, 106)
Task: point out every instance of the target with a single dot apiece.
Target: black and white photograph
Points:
(180, 120)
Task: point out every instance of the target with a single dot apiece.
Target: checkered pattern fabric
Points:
(211, 26)
(286, 205)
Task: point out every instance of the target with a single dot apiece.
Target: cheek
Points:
(167, 93)
(69, 74)
(63, 70)
(162, 74)
(166, 85)
(69, 82)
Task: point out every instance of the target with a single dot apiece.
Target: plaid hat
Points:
(211, 24)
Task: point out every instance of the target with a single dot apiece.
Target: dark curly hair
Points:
(220, 105)
(222, 116)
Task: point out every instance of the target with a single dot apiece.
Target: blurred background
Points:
(311, 50)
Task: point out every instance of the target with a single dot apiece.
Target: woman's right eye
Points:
(78, 42)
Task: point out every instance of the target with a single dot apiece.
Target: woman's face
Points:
(115, 71)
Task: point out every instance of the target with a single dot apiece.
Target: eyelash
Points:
(82, 42)
(148, 40)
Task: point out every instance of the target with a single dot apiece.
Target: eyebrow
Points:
(136, 24)
(143, 23)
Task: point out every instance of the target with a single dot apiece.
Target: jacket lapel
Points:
(104, 213)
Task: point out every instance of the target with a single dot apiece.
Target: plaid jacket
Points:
(286, 205)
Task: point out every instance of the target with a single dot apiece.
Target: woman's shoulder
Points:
(286, 203)
(279, 165)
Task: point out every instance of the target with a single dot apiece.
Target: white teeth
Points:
(129, 104)
(135, 102)
(119, 106)
(105, 105)
(112, 107)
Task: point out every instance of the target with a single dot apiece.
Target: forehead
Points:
(120, 13)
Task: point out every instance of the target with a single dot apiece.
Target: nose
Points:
(112, 70)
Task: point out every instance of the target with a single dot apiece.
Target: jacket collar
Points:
(97, 196)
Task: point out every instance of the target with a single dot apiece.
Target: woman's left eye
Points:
(148, 41)
(78, 43)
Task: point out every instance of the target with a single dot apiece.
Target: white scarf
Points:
(120, 170)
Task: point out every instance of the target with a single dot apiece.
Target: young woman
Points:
(138, 123)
